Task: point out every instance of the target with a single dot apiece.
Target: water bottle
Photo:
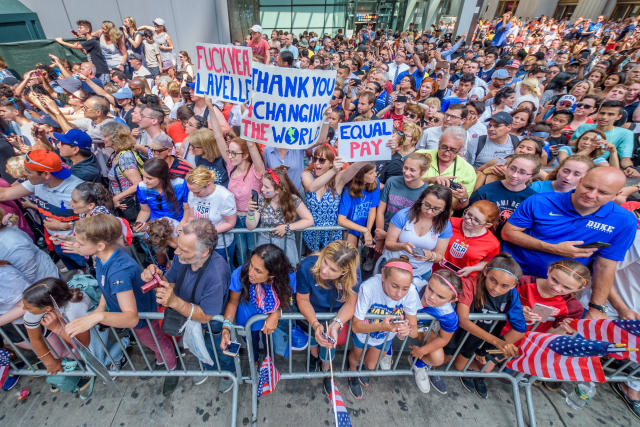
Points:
(581, 395)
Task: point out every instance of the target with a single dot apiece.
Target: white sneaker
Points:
(421, 375)
(385, 362)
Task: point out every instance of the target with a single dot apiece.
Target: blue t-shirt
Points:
(119, 274)
(323, 300)
(542, 186)
(620, 137)
(449, 101)
(571, 151)
(506, 200)
(159, 205)
(357, 210)
(444, 314)
(245, 308)
(552, 218)
(213, 287)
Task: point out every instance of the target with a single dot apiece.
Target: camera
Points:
(454, 185)
(154, 283)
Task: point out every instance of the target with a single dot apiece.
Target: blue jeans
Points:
(71, 261)
(226, 362)
(245, 243)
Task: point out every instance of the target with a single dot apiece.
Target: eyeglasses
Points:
(27, 159)
(158, 150)
(452, 117)
(410, 115)
(148, 117)
(434, 120)
(446, 148)
(581, 105)
(515, 170)
(427, 207)
(473, 219)
(234, 153)
(320, 160)
(494, 125)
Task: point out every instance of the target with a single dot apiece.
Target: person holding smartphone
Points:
(328, 282)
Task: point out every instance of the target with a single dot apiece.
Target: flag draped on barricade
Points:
(617, 331)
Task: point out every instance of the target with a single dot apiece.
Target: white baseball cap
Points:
(158, 21)
(256, 29)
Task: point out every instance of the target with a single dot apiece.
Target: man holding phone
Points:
(550, 226)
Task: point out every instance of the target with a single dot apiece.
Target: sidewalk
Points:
(388, 401)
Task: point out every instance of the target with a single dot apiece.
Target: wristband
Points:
(338, 321)
(41, 356)
(227, 324)
(287, 228)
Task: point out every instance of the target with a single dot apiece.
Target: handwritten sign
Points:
(223, 72)
(365, 141)
(287, 106)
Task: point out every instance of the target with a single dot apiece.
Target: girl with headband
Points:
(390, 294)
(281, 209)
(438, 301)
(492, 291)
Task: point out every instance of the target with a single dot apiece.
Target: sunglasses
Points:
(162, 150)
(27, 159)
(411, 115)
(580, 104)
(159, 201)
(320, 160)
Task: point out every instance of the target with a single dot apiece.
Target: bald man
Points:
(552, 226)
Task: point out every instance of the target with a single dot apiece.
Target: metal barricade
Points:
(300, 369)
(142, 366)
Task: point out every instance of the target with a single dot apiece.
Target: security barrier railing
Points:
(297, 366)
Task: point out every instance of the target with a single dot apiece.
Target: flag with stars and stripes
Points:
(618, 331)
(268, 377)
(561, 357)
(4, 366)
(339, 409)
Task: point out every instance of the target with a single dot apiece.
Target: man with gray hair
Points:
(197, 285)
(449, 168)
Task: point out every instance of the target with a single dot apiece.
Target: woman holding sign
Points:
(323, 182)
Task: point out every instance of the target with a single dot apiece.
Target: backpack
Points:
(482, 141)
(69, 384)
(139, 161)
(87, 284)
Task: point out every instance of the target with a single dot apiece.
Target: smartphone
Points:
(418, 251)
(544, 311)
(328, 338)
(254, 196)
(232, 349)
(397, 319)
(585, 54)
(596, 245)
(449, 266)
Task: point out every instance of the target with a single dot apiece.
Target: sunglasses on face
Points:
(411, 115)
(580, 104)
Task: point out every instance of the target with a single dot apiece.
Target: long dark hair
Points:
(93, 192)
(441, 193)
(357, 183)
(40, 293)
(278, 266)
(158, 168)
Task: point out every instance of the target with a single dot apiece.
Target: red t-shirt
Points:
(567, 306)
(260, 48)
(466, 251)
(176, 132)
(397, 118)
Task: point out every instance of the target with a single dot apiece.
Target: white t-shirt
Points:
(213, 207)
(18, 248)
(71, 311)
(373, 300)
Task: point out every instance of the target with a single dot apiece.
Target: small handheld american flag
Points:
(341, 413)
(561, 357)
(618, 331)
(268, 376)
(4, 366)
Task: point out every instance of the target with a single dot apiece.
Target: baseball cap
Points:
(191, 85)
(47, 120)
(47, 161)
(161, 142)
(158, 21)
(500, 74)
(75, 137)
(123, 93)
(70, 84)
(566, 98)
(502, 117)
(134, 55)
(313, 39)
(256, 29)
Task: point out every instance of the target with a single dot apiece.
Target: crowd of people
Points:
(512, 185)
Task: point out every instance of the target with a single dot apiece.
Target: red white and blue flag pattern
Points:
(341, 414)
(268, 377)
(618, 331)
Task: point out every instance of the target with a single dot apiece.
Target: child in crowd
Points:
(390, 294)
(440, 294)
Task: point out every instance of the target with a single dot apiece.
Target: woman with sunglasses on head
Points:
(159, 195)
(472, 244)
(323, 181)
(208, 153)
(422, 231)
(280, 208)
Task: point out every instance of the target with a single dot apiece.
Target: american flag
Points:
(560, 357)
(268, 377)
(342, 416)
(4, 366)
(618, 331)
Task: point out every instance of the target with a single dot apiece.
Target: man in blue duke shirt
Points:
(552, 226)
